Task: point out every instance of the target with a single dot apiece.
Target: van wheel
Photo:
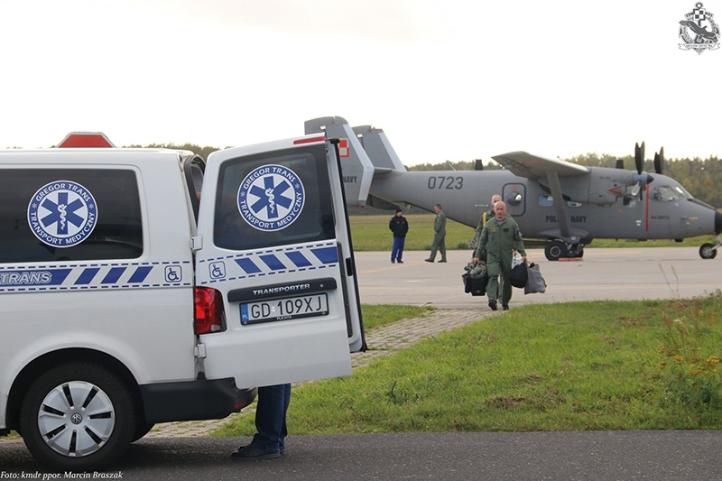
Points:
(707, 251)
(78, 416)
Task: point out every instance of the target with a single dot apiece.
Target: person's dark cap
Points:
(397, 210)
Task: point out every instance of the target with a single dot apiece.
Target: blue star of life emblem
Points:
(62, 213)
(271, 197)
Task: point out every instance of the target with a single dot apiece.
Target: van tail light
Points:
(208, 306)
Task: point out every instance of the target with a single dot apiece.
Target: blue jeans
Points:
(271, 417)
(397, 249)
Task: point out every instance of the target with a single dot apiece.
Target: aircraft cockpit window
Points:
(682, 193)
(666, 193)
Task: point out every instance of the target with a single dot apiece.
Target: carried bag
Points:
(476, 286)
(535, 282)
(519, 276)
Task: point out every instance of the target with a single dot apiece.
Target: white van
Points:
(141, 286)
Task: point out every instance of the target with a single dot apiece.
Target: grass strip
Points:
(579, 366)
(371, 233)
(377, 315)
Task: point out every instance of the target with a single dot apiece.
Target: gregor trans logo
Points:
(62, 213)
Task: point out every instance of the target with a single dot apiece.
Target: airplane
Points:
(566, 205)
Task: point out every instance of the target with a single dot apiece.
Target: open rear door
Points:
(274, 265)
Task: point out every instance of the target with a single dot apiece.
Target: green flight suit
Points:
(439, 237)
(498, 240)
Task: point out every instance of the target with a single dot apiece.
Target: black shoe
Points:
(505, 307)
(254, 452)
(393, 261)
(442, 260)
(400, 261)
(428, 260)
(492, 305)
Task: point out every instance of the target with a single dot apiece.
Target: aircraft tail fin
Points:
(378, 148)
(357, 168)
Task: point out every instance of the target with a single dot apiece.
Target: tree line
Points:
(701, 177)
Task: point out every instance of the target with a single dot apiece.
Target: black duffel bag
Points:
(476, 286)
(519, 276)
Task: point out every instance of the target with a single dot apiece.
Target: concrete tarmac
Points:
(535, 456)
(603, 274)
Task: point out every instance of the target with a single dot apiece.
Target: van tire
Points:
(141, 430)
(112, 393)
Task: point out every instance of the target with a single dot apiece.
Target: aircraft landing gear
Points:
(709, 251)
(556, 250)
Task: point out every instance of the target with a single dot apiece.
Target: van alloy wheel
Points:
(76, 418)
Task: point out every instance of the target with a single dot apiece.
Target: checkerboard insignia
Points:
(698, 30)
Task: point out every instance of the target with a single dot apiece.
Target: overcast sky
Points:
(445, 79)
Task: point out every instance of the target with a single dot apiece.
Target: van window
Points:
(69, 215)
(315, 221)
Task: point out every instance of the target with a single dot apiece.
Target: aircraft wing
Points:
(531, 166)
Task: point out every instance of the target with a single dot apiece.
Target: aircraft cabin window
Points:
(515, 198)
(546, 200)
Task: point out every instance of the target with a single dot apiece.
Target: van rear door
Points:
(274, 255)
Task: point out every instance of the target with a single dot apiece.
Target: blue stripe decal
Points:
(298, 259)
(49, 277)
(87, 276)
(273, 262)
(113, 275)
(327, 255)
(140, 274)
(248, 266)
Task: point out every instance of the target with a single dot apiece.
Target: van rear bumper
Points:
(193, 400)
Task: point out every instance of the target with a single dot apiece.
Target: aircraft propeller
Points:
(642, 178)
(659, 161)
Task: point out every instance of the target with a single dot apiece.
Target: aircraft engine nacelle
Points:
(607, 185)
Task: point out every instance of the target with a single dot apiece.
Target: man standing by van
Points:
(499, 238)
(439, 235)
(399, 227)
(271, 432)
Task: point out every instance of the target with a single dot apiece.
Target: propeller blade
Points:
(478, 165)
(619, 164)
(638, 158)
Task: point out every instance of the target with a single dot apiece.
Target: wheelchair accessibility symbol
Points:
(217, 270)
(173, 274)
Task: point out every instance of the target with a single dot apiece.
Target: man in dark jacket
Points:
(399, 227)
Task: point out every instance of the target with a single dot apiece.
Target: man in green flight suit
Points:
(499, 238)
(439, 235)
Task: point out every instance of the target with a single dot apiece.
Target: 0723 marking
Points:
(443, 182)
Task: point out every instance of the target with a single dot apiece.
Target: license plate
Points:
(284, 309)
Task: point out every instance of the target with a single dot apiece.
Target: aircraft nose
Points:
(718, 222)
